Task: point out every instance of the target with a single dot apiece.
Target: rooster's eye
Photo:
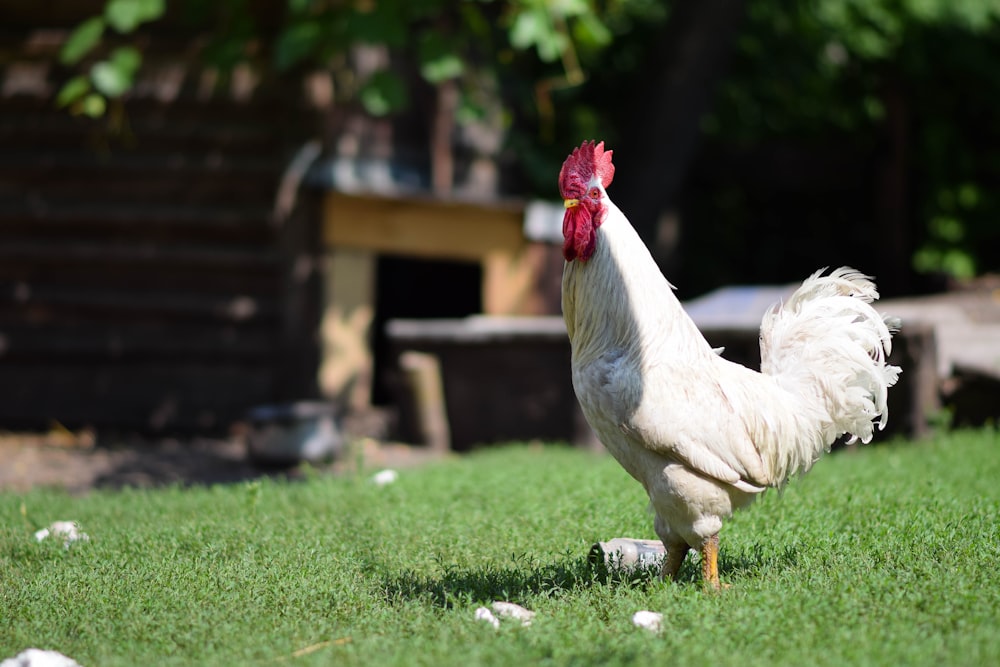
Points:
(595, 193)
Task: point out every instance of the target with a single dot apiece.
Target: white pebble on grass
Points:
(68, 530)
(504, 610)
(36, 657)
(650, 620)
(384, 477)
(511, 610)
(484, 614)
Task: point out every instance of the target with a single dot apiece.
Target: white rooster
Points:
(705, 436)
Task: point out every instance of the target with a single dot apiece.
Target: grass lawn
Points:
(886, 556)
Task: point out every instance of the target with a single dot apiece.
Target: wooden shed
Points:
(150, 279)
(191, 254)
(145, 281)
(412, 256)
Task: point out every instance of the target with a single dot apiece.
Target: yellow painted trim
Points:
(432, 229)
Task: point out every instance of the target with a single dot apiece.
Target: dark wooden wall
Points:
(145, 281)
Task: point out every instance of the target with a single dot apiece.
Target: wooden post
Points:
(346, 369)
(422, 375)
(298, 354)
(915, 351)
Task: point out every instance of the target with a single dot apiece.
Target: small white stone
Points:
(484, 614)
(68, 530)
(650, 620)
(384, 477)
(511, 610)
(36, 657)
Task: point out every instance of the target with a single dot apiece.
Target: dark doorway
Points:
(418, 289)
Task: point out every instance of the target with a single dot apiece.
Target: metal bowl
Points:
(291, 433)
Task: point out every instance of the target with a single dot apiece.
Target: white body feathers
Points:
(702, 434)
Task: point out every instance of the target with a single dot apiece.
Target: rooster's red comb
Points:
(584, 162)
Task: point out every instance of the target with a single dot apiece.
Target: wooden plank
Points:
(295, 356)
(171, 155)
(246, 237)
(86, 211)
(132, 342)
(32, 123)
(420, 228)
(527, 282)
(155, 281)
(28, 13)
(145, 260)
(49, 303)
(175, 184)
(143, 283)
(149, 398)
(532, 396)
(140, 265)
(126, 251)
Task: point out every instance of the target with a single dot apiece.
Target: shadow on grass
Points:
(455, 585)
(750, 563)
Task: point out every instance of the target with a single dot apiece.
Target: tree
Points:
(510, 58)
(671, 97)
(913, 84)
(910, 85)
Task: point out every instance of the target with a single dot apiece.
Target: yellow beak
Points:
(570, 203)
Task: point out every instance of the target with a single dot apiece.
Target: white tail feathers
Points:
(828, 345)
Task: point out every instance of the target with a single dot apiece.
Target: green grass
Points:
(887, 556)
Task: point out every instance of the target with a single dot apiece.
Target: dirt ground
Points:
(79, 462)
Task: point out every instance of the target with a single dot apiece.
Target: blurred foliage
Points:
(108, 77)
(812, 72)
(447, 39)
(823, 72)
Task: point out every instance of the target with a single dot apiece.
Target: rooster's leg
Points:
(710, 562)
(672, 560)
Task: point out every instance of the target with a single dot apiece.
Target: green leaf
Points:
(126, 58)
(297, 43)
(93, 105)
(874, 107)
(958, 263)
(568, 8)
(534, 27)
(126, 15)
(469, 111)
(83, 38)
(383, 93)
(439, 60)
(947, 228)
(968, 195)
(382, 24)
(226, 51)
(73, 90)
(524, 31)
(590, 31)
(114, 77)
(110, 78)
